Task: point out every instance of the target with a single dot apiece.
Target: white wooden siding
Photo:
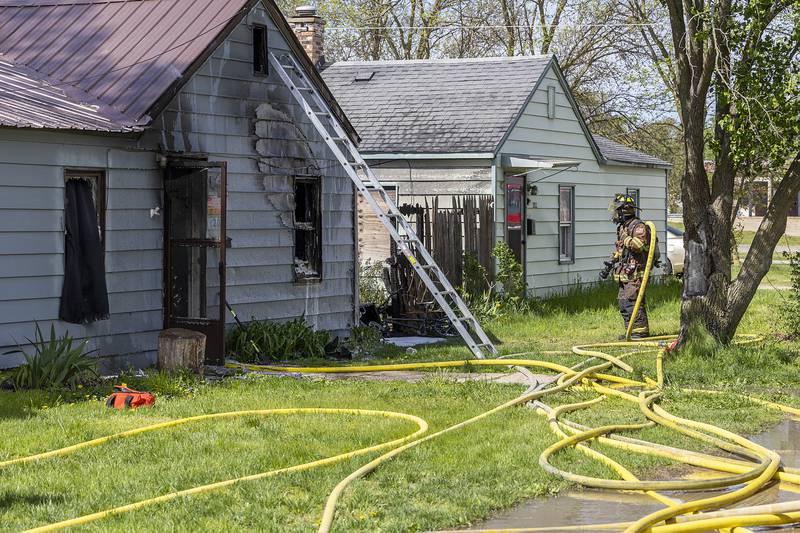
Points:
(539, 137)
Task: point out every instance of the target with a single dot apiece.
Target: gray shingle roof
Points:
(617, 152)
(446, 105)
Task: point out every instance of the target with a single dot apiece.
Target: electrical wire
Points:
(494, 26)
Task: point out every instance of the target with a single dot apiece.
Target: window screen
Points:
(566, 224)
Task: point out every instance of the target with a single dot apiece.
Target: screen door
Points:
(515, 215)
(195, 251)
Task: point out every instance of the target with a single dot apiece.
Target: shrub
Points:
(510, 274)
(364, 340)
(790, 309)
(371, 288)
(484, 299)
(175, 383)
(476, 278)
(54, 363)
(260, 341)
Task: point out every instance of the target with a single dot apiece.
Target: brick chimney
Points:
(310, 30)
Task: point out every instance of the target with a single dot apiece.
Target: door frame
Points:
(521, 180)
(214, 329)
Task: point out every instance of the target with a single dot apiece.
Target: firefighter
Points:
(629, 260)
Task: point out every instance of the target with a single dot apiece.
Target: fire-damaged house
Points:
(153, 167)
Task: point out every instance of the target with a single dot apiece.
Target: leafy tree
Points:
(734, 70)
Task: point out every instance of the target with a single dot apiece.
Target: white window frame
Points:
(566, 259)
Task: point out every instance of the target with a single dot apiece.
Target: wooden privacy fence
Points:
(448, 233)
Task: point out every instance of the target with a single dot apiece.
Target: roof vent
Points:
(364, 75)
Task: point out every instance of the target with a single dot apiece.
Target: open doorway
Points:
(194, 237)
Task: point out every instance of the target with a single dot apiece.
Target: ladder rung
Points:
(294, 77)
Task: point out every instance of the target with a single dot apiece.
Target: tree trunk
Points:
(759, 257)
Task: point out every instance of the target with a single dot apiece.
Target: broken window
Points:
(307, 229)
(84, 297)
(260, 50)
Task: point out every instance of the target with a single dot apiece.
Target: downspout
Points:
(356, 261)
(496, 164)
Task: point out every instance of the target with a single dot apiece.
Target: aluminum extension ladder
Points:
(408, 242)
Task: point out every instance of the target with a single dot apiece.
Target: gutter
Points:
(410, 156)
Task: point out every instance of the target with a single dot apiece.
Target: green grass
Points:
(455, 480)
(746, 237)
(459, 478)
(437, 484)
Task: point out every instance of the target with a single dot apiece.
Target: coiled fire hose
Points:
(756, 468)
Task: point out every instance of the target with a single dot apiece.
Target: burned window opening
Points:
(84, 295)
(260, 50)
(307, 229)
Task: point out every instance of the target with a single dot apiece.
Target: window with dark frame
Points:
(307, 229)
(566, 224)
(635, 194)
(84, 294)
(97, 180)
(260, 50)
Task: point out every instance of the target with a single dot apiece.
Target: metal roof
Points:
(444, 105)
(125, 54)
(28, 101)
(113, 65)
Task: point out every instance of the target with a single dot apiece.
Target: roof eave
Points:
(665, 166)
(524, 106)
(166, 97)
(283, 27)
(428, 155)
(132, 133)
(300, 54)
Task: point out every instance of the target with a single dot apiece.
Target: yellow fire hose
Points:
(755, 468)
(646, 277)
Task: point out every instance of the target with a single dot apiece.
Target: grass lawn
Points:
(746, 237)
(450, 481)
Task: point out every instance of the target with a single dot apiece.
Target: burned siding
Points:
(32, 241)
(216, 113)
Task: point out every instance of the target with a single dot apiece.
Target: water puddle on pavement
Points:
(584, 507)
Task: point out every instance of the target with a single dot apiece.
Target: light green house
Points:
(508, 127)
